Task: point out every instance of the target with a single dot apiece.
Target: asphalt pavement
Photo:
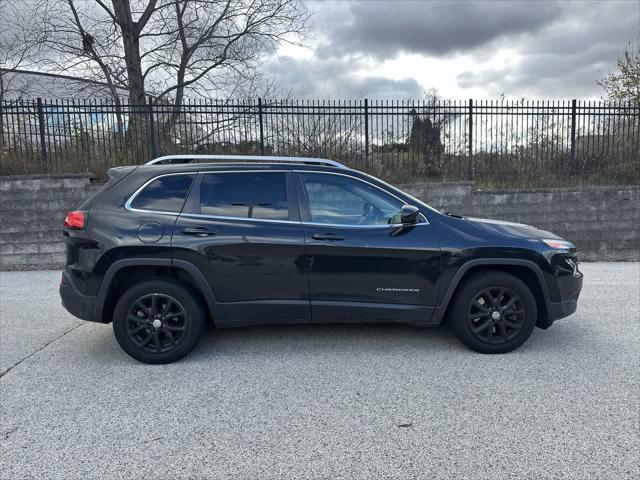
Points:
(332, 401)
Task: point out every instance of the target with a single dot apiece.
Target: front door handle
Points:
(198, 231)
(326, 236)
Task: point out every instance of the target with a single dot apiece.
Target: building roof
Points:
(29, 84)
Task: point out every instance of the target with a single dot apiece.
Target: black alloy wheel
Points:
(158, 321)
(496, 315)
(493, 312)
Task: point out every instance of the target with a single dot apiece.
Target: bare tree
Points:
(15, 41)
(167, 48)
(14, 46)
(89, 49)
(300, 132)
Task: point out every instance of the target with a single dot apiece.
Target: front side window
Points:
(340, 200)
(165, 194)
(260, 195)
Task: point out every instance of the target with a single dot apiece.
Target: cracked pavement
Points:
(332, 401)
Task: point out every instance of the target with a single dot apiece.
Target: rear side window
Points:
(165, 194)
(245, 195)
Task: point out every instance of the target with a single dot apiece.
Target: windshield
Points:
(417, 201)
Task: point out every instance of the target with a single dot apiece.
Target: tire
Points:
(475, 321)
(157, 321)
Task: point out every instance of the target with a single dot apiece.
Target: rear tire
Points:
(493, 312)
(157, 321)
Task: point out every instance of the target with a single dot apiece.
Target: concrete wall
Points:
(32, 211)
(603, 221)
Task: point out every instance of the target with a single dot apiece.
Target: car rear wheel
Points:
(157, 322)
(493, 312)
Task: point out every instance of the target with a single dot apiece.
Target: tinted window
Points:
(165, 193)
(245, 195)
(342, 200)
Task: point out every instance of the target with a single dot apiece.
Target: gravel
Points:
(332, 401)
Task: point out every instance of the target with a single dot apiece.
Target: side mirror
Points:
(409, 215)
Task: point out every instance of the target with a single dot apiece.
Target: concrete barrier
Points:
(32, 211)
(603, 221)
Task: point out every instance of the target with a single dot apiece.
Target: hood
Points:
(511, 229)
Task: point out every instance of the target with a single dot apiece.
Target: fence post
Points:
(470, 174)
(2, 104)
(261, 126)
(366, 131)
(572, 162)
(41, 128)
(152, 132)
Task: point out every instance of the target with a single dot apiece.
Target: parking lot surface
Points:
(333, 401)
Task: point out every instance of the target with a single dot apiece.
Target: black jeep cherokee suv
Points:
(164, 247)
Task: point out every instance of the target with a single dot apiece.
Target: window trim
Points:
(220, 217)
(130, 200)
(304, 202)
(299, 198)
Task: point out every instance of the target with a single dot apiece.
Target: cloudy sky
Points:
(481, 49)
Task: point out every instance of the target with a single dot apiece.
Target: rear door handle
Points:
(198, 231)
(326, 236)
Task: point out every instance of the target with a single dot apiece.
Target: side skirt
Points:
(264, 312)
(284, 312)
(367, 312)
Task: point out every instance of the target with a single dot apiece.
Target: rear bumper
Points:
(76, 303)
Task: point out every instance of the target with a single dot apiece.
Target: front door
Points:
(242, 230)
(363, 265)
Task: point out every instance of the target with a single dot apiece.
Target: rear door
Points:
(242, 230)
(363, 265)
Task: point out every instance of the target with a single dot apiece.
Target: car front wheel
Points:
(493, 312)
(157, 321)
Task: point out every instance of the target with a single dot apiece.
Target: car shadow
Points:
(368, 338)
(339, 340)
(323, 339)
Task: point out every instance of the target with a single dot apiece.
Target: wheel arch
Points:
(126, 272)
(525, 270)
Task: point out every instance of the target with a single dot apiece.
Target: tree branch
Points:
(108, 10)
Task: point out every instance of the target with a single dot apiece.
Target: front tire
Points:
(157, 321)
(493, 312)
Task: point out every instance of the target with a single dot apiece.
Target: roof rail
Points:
(170, 159)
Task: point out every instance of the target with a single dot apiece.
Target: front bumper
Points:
(558, 310)
(77, 304)
(570, 292)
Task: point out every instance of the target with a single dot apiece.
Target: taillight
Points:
(75, 219)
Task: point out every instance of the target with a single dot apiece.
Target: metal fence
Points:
(496, 143)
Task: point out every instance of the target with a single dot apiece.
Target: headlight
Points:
(559, 244)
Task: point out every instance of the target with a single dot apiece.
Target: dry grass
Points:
(525, 169)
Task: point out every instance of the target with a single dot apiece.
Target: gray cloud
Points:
(335, 78)
(384, 29)
(563, 47)
(566, 58)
